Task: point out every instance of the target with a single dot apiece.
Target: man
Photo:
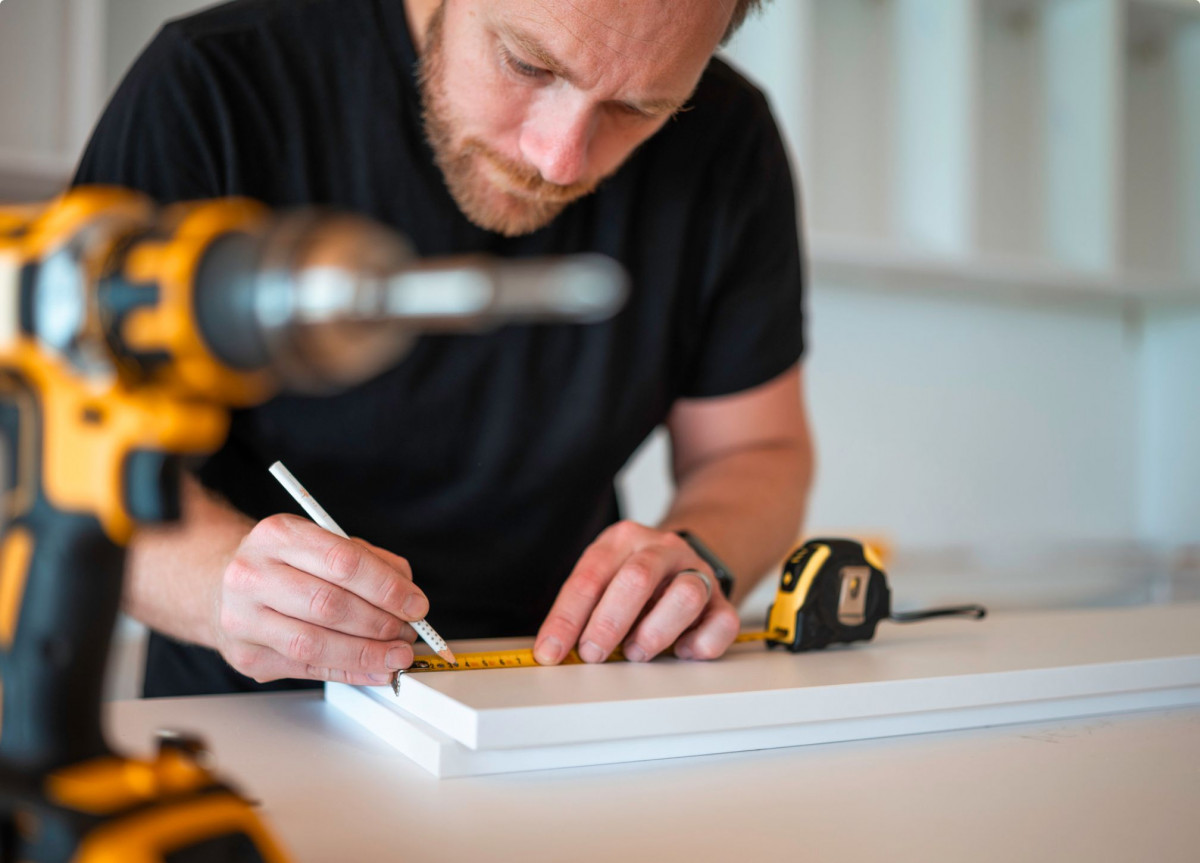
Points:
(482, 466)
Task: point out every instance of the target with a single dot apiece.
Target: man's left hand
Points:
(642, 587)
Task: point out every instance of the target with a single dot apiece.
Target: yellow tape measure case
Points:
(831, 591)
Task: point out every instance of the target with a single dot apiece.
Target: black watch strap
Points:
(720, 570)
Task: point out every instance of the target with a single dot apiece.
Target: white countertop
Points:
(1112, 788)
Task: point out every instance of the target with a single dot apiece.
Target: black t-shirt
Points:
(486, 460)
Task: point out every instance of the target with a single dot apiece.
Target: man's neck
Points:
(419, 12)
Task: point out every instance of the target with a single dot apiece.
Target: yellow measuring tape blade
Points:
(522, 658)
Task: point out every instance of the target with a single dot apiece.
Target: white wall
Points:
(962, 421)
(973, 422)
(1170, 427)
(32, 28)
(952, 419)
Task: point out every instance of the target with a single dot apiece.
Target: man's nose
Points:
(555, 139)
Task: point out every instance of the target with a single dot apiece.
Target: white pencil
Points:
(321, 517)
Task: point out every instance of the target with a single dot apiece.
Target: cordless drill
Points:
(127, 332)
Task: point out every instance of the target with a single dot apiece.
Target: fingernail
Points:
(591, 652)
(381, 679)
(416, 606)
(397, 658)
(635, 654)
(685, 653)
(549, 651)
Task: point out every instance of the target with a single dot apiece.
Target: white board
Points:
(933, 676)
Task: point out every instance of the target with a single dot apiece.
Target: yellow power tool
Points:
(126, 334)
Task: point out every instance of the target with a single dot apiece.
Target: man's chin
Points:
(509, 215)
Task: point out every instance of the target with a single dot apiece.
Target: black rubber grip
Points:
(53, 672)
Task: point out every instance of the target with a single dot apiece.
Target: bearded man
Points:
(479, 471)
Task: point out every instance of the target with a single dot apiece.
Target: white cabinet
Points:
(1162, 138)
(59, 62)
(51, 88)
(1033, 144)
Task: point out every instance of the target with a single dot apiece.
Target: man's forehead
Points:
(653, 36)
(653, 21)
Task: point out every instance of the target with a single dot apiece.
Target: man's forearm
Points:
(748, 506)
(173, 574)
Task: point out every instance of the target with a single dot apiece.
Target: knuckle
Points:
(394, 592)
(240, 576)
(561, 621)
(327, 605)
(304, 647)
(653, 639)
(690, 593)
(366, 657)
(606, 631)
(727, 623)
(272, 530)
(627, 529)
(637, 577)
(564, 627)
(589, 582)
(592, 581)
(318, 672)
(343, 560)
(388, 628)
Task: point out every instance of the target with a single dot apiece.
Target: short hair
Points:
(741, 9)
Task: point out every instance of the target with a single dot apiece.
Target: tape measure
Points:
(519, 658)
(831, 591)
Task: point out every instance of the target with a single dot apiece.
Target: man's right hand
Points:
(297, 601)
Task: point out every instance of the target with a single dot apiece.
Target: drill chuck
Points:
(328, 301)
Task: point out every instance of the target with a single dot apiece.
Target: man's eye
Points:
(521, 67)
(633, 112)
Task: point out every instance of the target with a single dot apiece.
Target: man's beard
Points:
(523, 202)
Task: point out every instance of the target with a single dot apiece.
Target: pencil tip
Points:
(448, 655)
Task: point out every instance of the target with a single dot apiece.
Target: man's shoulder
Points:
(724, 86)
(241, 48)
(725, 95)
(726, 111)
(727, 122)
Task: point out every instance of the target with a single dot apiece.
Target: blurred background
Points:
(1002, 205)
